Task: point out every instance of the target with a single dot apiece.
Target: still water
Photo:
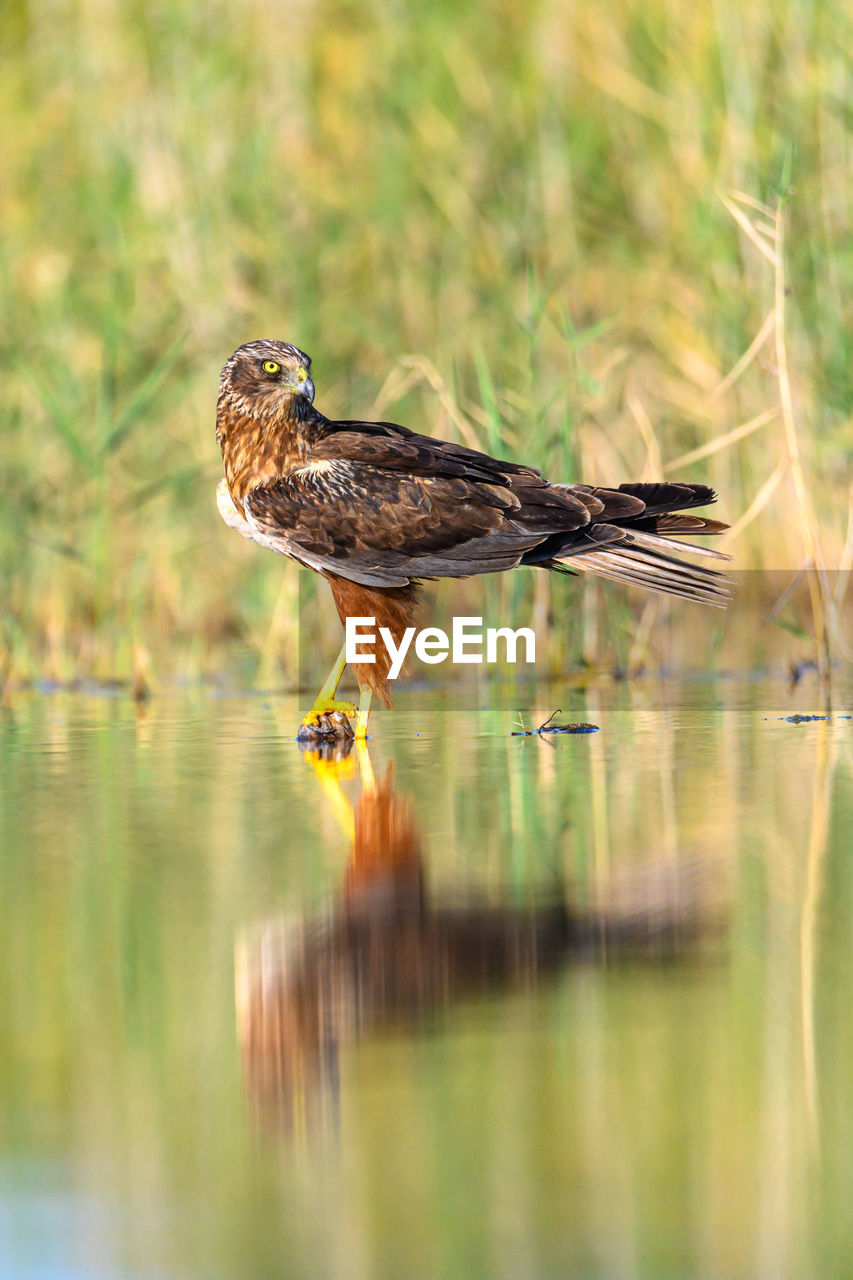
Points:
(463, 1004)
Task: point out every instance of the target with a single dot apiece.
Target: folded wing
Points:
(381, 506)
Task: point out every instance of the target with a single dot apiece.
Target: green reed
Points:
(523, 203)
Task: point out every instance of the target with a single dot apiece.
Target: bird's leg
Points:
(325, 703)
(364, 701)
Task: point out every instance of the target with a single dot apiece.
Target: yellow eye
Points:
(272, 366)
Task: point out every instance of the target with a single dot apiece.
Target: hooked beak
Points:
(307, 390)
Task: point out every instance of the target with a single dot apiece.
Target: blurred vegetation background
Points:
(500, 222)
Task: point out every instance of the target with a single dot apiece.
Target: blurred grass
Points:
(522, 196)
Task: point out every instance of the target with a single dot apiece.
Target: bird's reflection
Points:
(386, 953)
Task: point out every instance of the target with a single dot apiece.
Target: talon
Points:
(322, 728)
(328, 707)
(328, 719)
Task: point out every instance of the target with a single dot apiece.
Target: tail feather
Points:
(610, 504)
(641, 561)
(635, 534)
(670, 545)
(677, 522)
(666, 496)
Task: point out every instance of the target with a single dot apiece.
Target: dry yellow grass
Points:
(505, 224)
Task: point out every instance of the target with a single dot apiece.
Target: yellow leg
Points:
(325, 702)
(364, 701)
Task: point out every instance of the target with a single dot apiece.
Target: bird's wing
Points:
(382, 507)
(387, 444)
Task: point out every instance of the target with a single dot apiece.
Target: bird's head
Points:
(267, 378)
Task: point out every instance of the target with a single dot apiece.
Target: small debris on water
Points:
(800, 719)
(548, 727)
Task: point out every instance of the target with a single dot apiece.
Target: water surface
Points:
(469, 1005)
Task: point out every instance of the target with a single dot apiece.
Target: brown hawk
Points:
(375, 508)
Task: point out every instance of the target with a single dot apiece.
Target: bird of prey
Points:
(376, 508)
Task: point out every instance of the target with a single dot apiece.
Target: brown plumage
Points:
(375, 507)
(392, 607)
